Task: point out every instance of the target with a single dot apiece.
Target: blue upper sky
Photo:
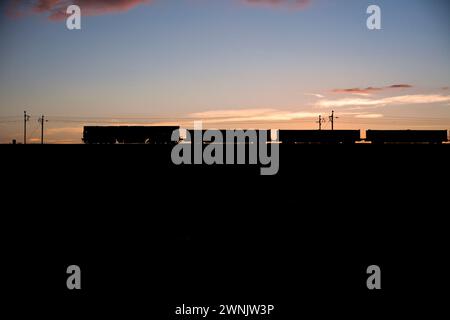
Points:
(179, 58)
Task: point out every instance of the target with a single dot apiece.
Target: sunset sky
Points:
(231, 63)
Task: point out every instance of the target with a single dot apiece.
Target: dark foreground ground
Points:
(150, 236)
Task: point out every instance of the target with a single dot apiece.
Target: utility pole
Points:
(41, 121)
(321, 120)
(332, 117)
(26, 118)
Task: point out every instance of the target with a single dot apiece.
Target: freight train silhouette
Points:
(159, 135)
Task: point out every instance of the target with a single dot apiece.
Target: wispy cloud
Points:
(357, 91)
(369, 116)
(56, 9)
(251, 115)
(396, 100)
(370, 90)
(317, 95)
(399, 86)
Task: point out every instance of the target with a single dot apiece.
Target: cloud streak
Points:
(369, 116)
(396, 100)
(371, 90)
(56, 9)
(251, 115)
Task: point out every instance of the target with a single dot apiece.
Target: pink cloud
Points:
(370, 90)
(56, 9)
(358, 91)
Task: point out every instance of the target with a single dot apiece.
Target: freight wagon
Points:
(406, 136)
(128, 134)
